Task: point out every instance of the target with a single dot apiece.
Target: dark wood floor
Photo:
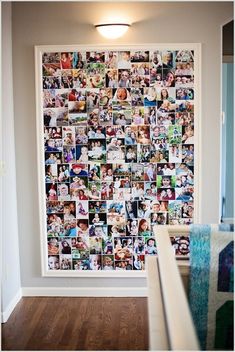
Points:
(59, 323)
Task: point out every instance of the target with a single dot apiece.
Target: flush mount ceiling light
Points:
(112, 30)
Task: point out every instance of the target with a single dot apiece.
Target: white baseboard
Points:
(85, 291)
(9, 309)
(228, 220)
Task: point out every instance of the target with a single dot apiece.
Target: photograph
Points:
(111, 59)
(49, 58)
(181, 245)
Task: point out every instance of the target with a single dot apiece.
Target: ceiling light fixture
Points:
(112, 30)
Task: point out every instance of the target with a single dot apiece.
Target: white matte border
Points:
(196, 47)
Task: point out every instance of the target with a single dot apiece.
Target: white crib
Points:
(170, 322)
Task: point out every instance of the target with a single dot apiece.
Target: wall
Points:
(71, 23)
(229, 205)
(228, 38)
(11, 285)
(228, 142)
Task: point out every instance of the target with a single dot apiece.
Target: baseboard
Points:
(9, 309)
(228, 220)
(85, 291)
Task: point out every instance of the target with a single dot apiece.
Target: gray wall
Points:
(10, 247)
(71, 23)
(228, 38)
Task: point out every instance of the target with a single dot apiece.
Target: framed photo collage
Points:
(116, 135)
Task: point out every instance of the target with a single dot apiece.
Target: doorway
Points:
(227, 126)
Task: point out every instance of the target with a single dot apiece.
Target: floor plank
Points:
(73, 324)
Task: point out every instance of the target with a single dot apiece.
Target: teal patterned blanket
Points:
(211, 284)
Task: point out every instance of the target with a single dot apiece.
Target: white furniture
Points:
(170, 322)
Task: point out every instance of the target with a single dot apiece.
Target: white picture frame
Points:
(39, 50)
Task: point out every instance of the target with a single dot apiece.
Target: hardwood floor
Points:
(70, 323)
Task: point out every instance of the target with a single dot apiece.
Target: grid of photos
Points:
(119, 154)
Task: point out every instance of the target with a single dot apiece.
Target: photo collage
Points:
(118, 154)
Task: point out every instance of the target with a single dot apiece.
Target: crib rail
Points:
(180, 331)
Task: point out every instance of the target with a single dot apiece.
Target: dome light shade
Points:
(112, 30)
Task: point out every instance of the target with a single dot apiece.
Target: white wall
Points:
(71, 23)
(10, 247)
